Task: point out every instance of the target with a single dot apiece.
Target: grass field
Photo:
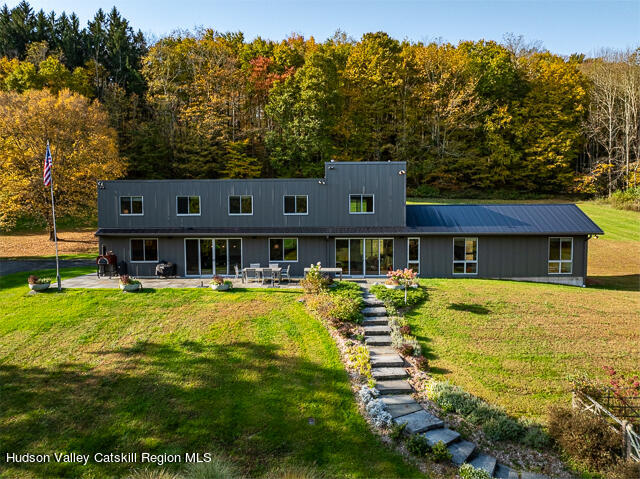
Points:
(238, 373)
(72, 244)
(515, 344)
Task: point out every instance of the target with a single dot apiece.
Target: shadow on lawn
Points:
(469, 308)
(625, 282)
(244, 399)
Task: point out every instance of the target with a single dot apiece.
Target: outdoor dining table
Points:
(260, 270)
(327, 270)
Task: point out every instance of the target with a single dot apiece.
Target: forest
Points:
(477, 117)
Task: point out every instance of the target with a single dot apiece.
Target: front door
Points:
(206, 256)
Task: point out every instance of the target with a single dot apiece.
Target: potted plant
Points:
(392, 283)
(404, 278)
(218, 283)
(38, 284)
(129, 283)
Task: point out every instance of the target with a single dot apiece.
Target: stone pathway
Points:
(388, 369)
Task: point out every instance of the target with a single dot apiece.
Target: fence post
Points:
(626, 444)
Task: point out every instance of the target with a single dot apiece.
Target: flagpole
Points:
(55, 233)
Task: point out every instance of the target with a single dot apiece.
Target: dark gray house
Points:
(355, 217)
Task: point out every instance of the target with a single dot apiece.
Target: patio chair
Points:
(251, 274)
(268, 275)
(273, 265)
(254, 265)
(284, 274)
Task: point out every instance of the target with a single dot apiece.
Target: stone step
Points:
(397, 410)
(485, 462)
(386, 361)
(419, 421)
(444, 434)
(377, 330)
(388, 373)
(395, 386)
(532, 475)
(376, 321)
(460, 451)
(397, 399)
(378, 350)
(378, 340)
(372, 301)
(505, 472)
(374, 311)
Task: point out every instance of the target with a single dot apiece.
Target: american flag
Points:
(46, 174)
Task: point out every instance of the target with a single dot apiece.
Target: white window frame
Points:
(559, 261)
(283, 260)
(213, 244)
(418, 260)
(364, 258)
(189, 204)
(373, 199)
(131, 205)
(239, 214)
(465, 261)
(144, 250)
(295, 205)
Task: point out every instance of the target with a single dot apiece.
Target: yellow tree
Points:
(83, 147)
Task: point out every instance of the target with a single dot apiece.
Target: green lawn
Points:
(238, 373)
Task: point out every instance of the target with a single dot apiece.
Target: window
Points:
(413, 254)
(360, 204)
(241, 205)
(295, 205)
(131, 205)
(283, 249)
(188, 205)
(144, 250)
(465, 255)
(560, 255)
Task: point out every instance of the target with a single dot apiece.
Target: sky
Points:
(563, 27)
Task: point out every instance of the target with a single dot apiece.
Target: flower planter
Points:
(131, 287)
(39, 286)
(394, 286)
(220, 287)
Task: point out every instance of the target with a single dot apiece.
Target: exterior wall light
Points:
(402, 172)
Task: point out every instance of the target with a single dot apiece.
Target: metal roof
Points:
(500, 219)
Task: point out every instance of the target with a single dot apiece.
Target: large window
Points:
(295, 204)
(207, 256)
(144, 250)
(283, 249)
(560, 255)
(360, 204)
(413, 254)
(364, 256)
(465, 255)
(188, 205)
(131, 205)
(241, 205)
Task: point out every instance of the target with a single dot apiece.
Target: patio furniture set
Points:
(263, 274)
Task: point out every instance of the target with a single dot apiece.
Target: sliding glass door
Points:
(204, 255)
(364, 256)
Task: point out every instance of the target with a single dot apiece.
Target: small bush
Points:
(503, 429)
(624, 470)
(395, 297)
(397, 432)
(314, 281)
(628, 199)
(422, 363)
(368, 394)
(406, 349)
(418, 445)
(405, 330)
(536, 438)
(377, 410)
(585, 437)
(218, 468)
(467, 471)
(440, 453)
(361, 359)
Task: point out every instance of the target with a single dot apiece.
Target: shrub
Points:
(405, 330)
(422, 363)
(33, 279)
(345, 309)
(503, 429)
(314, 281)
(628, 199)
(417, 444)
(126, 279)
(467, 471)
(217, 280)
(536, 438)
(624, 470)
(360, 358)
(218, 468)
(395, 297)
(397, 431)
(368, 394)
(406, 349)
(378, 413)
(440, 453)
(585, 437)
